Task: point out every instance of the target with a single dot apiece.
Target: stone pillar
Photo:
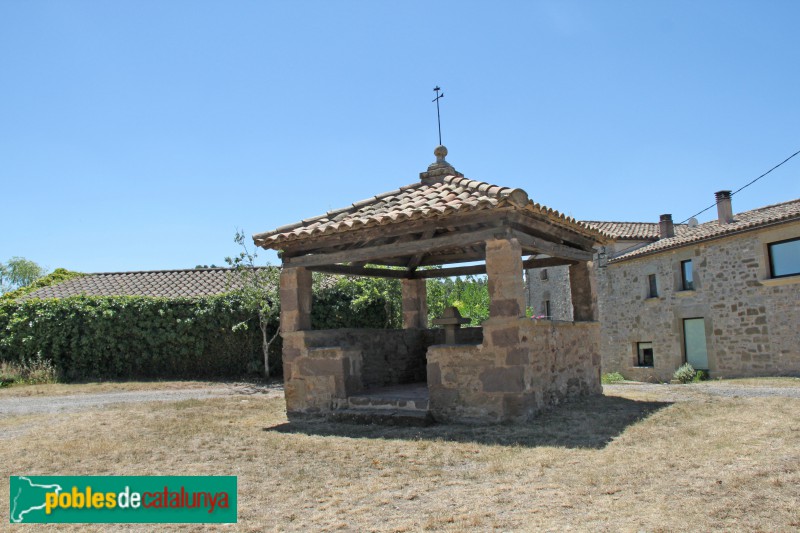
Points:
(415, 304)
(504, 270)
(295, 299)
(584, 295)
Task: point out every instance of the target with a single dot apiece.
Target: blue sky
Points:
(138, 135)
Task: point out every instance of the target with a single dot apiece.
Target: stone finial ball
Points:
(440, 152)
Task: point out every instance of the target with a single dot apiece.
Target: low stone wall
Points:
(323, 367)
(521, 367)
(318, 379)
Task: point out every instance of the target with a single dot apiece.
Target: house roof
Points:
(635, 231)
(426, 199)
(746, 221)
(162, 283)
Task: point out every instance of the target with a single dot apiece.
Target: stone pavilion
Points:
(507, 370)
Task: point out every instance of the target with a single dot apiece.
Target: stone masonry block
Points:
(504, 271)
(295, 291)
(510, 379)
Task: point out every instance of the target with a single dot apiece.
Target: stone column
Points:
(504, 270)
(584, 295)
(415, 304)
(295, 299)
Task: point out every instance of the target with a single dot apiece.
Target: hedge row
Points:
(125, 337)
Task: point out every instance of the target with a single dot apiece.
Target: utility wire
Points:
(622, 252)
(744, 186)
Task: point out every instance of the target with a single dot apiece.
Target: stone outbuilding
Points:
(506, 370)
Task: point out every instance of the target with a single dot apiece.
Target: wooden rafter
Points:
(397, 249)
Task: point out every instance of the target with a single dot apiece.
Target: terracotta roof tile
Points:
(632, 230)
(746, 221)
(424, 199)
(162, 283)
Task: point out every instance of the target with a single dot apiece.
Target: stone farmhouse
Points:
(723, 295)
(506, 370)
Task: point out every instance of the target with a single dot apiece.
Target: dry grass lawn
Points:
(617, 463)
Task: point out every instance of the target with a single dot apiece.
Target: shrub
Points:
(121, 337)
(685, 374)
(700, 376)
(613, 377)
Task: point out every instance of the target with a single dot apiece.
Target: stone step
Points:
(386, 417)
(388, 403)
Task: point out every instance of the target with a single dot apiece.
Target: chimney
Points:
(665, 227)
(724, 207)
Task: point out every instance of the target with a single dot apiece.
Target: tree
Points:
(19, 272)
(259, 289)
(470, 295)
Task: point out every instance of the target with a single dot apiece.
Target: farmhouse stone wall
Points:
(521, 367)
(550, 284)
(752, 322)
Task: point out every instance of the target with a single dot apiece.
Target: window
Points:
(543, 274)
(652, 288)
(644, 354)
(784, 258)
(547, 309)
(687, 281)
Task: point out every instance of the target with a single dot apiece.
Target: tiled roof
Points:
(746, 221)
(164, 283)
(425, 199)
(642, 231)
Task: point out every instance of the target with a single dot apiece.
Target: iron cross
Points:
(438, 117)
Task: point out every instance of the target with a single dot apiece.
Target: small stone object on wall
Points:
(450, 320)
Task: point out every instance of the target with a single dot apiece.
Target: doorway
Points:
(694, 339)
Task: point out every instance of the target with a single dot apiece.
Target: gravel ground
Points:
(56, 404)
(59, 404)
(678, 393)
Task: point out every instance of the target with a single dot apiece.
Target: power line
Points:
(744, 186)
(621, 252)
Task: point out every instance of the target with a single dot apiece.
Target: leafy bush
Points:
(700, 376)
(613, 377)
(685, 374)
(130, 336)
(345, 302)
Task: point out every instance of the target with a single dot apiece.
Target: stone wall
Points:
(550, 284)
(751, 320)
(521, 367)
(322, 367)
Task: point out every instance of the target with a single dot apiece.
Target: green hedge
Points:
(124, 337)
(131, 336)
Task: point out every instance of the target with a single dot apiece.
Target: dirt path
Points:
(21, 405)
(683, 393)
(29, 405)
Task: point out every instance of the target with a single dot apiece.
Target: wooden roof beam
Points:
(387, 251)
(481, 269)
